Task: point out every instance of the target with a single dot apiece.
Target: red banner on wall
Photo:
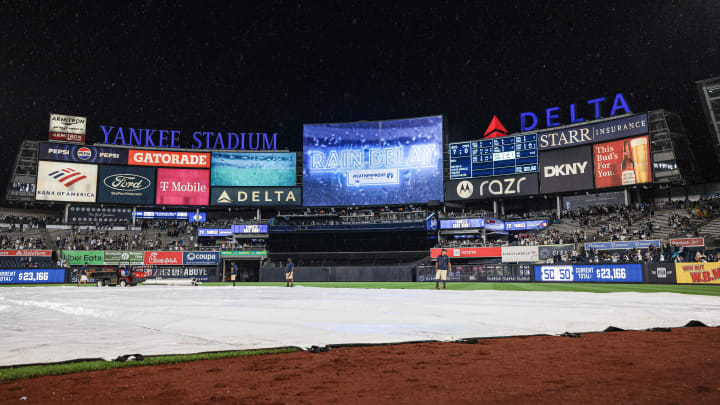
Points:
(688, 242)
(159, 158)
(19, 253)
(469, 252)
(163, 258)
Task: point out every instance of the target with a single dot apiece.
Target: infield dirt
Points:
(681, 367)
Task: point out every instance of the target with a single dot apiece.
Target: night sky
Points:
(273, 66)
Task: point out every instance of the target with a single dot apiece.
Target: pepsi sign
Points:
(82, 153)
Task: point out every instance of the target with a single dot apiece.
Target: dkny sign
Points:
(492, 187)
(566, 170)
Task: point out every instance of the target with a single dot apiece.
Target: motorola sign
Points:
(566, 170)
(492, 187)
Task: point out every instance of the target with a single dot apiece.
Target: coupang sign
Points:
(583, 134)
(165, 138)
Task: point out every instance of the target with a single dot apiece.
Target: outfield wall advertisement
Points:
(697, 273)
(590, 273)
(32, 276)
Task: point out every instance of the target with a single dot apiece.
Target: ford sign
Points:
(127, 182)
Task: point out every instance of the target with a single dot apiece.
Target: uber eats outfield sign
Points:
(80, 257)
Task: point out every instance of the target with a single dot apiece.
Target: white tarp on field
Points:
(50, 324)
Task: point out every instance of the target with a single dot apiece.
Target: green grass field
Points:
(582, 287)
(20, 372)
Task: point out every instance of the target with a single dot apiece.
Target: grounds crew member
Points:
(289, 273)
(233, 272)
(442, 266)
(83, 275)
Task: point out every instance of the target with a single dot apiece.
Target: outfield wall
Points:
(341, 273)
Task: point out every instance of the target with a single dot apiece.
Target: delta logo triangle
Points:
(495, 129)
(224, 198)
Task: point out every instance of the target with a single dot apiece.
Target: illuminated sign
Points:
(591, 133)
(465, 223)
(373, 163)
(494, 157)
(182, 187)
(166, 138)
(157, 158)
(256, 196)
(529, 120)
(252, 169)
(72, 182)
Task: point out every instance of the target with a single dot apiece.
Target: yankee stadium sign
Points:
(165, 138)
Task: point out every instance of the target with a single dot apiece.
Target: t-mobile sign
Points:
(182, 187)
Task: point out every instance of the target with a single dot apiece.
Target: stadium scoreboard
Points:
(494, 157)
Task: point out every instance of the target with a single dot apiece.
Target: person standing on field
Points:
(289, 269)
(233, 272)
(83, 275)
(442, 266)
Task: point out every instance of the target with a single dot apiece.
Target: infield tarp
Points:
(51, 324)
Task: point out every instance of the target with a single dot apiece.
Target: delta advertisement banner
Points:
(199, 273)
(697, 273)
(612, 198)
(459, 253)
(623, 245)
(26, 253)
(71, 182)
(566, 170)
(480, 273)
(68, 128)
(373, 163)
(126, 185)
(115, 257)
(660, 273)
(159, 158)
(688, 242)
(590, 273)
(82, 153)
(201, 258)
(622, 163)
(515, 185)
(592, 133)
(182, 187)
(258, 169)
(256, 196)
(546, 252)
(81, 257)
(520, 254)
(163, 258)
(31, 276)
(86, 215)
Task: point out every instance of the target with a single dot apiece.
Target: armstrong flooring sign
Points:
(126, 185)
(72, 182)
(67, 128)
(492, 187)
(566, 170)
